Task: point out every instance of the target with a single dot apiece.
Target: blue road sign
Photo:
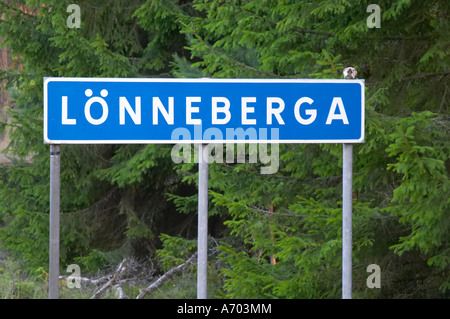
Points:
(126, 110)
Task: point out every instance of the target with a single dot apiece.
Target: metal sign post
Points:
(347, 195)
(53, 280)
(202, 249)
(201, 111)
(347, 177)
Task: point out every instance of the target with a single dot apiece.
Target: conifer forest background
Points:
(134, 203)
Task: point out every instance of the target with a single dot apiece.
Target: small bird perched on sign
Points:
(350, 73)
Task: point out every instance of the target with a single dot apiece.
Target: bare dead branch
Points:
(97, 281)
(119, 272)
(122, 294)
(167, 276)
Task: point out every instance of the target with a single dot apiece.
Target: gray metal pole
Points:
(202, 255)
(347, 194)
(53, 280)
(347, 179)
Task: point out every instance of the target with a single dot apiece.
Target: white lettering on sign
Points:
(225, 109)
(192, 109)
(168, 115)
(311, 112)
(96, 99)
(65, 120)
(277, 112)
(337, 101)
(247, 109)
(220, 110)
(135, 115)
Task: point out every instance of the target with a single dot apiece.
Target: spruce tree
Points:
(401, 185)
(113, 197)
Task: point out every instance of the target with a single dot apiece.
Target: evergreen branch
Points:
(329, 34)
(287, 213)
(233, 60)
(298, 29)
(415, 76)
(443, 97)
(376, 93)
(405, 139)
(9, 7)
(426, 74)
(96, 204)
(82, 3)
(302, 30)
(399, 37)
(331, 63)
(253, 69)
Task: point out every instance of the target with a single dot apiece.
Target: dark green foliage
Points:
(119, 199)
(400, 177)
(113, 197)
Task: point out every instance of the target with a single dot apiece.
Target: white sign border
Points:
(200, 80)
